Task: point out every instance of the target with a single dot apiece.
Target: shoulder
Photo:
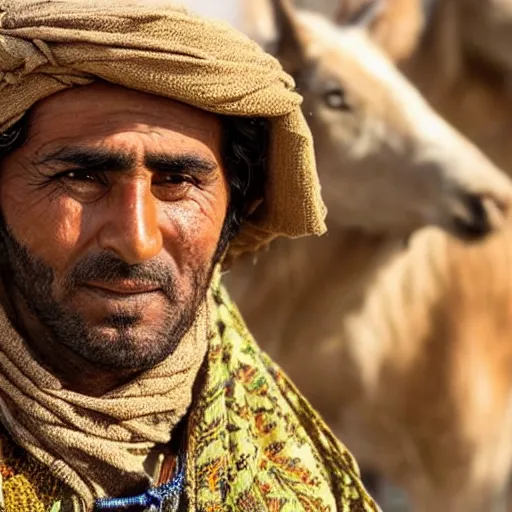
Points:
(258, 441)
(26, 485)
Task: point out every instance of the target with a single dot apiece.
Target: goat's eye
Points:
(336, 99)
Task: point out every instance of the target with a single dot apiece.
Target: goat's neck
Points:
(291, 268)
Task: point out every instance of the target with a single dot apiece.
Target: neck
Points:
(291, 269)
(342, 253)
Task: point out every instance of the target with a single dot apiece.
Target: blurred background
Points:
(397, 324)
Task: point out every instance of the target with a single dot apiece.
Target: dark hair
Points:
(14, 137)
(244, 153)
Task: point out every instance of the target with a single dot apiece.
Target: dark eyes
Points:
(174, 179)
(336, 99)
(83, 175)
(88, 186)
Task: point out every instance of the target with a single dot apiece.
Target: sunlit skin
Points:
(107, 170)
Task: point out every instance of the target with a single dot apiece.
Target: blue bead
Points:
(153, 497)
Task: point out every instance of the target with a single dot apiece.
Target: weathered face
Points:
(112, 214)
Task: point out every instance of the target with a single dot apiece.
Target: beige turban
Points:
(47, 46)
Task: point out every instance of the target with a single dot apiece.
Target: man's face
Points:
(112, 212)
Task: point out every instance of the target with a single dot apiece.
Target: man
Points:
(141, 147)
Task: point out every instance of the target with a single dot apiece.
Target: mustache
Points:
(105, 268)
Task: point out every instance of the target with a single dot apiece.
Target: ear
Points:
(363, 15)
(289, 47)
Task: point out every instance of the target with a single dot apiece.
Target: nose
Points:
(479, 216)
(132, 230)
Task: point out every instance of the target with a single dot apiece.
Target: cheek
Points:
(49, 228)
(196, 226)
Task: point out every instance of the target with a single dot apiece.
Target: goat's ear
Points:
(288, 47)
(363, 15)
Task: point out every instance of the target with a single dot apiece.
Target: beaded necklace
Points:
(164, 498)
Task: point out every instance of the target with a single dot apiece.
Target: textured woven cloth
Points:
(97, 446)
(254, 443)
(47, 46)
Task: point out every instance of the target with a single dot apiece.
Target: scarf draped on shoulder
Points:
(254, 443)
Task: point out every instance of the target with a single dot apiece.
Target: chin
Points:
(125, 348)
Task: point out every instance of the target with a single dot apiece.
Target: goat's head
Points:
(387, 161)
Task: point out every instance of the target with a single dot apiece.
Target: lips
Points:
(123, 287)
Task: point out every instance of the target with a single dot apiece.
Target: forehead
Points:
(103, 113)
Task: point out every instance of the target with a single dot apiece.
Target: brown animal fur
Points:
(461, 63)
(396, 29)
(391, 346)
(405, 352)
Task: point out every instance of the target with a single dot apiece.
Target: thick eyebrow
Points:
(168, 163)
(93, 159)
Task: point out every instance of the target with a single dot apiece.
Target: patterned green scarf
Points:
(254, 443)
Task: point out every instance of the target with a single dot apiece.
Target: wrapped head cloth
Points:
(48, 46)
